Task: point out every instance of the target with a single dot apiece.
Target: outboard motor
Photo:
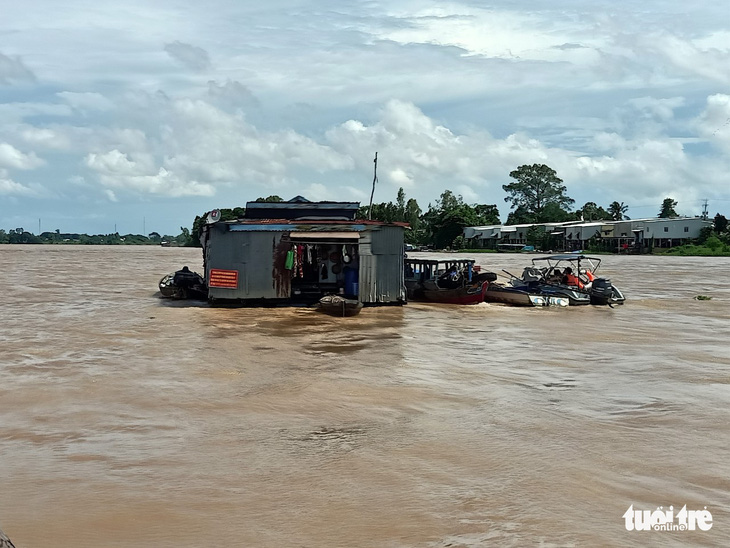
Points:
(601, 291)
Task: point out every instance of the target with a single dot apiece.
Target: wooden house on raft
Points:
(296, 252)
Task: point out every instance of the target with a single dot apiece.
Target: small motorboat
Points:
(577, 282)
(521, 296)
(184, 284)
(336, 305)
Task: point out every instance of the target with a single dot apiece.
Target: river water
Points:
(129, 420)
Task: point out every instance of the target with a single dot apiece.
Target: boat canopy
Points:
(434, 267)
(566, 257)
(436, 262)
(554, 260)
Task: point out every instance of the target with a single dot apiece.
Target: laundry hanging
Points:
(300, 261)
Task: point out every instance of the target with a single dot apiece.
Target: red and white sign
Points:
(227, 279)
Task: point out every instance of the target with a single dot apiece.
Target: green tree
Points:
(592, 212)
(487, 214)
(667, 211)
(535, 236)
(519, 216)
(184, 238)
(446, 221)
(23, 237)
(617, 211)
(535, 188)
(269, 199)
(400, 203)
(720, 223)
(412, 216)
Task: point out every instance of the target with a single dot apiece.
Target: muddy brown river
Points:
(127, 420)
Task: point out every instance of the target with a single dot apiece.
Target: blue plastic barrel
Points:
(351, 279)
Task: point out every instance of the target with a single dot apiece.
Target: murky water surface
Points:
(127, 420)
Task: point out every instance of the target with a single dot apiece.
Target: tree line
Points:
(22, 236)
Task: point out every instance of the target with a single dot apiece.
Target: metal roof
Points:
(302, 205)
(324, 235)
(307, 222)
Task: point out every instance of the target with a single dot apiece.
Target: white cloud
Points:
(689, 56)
(118, 172)
(317, 191)
(399, 178)
(467, 193)
(11, 157)
(714, 122)
(8, 187)
(44, 137)
(661, 109)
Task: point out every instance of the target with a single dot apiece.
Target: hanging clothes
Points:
(324, 273)
(300, 261)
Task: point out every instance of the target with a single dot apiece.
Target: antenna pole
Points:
(372, 193)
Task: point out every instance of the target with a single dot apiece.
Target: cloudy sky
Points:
(139, 115)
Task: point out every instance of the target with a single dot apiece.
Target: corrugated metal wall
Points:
(252, 255)
(381, 265)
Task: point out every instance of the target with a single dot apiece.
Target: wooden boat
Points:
(466, 294)
(335, 305)
(456, 281)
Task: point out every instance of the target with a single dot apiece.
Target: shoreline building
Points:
(631, 235)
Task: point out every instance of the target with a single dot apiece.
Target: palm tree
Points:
(617, 211)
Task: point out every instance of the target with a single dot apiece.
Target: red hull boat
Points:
(468, 294)
(448, 281)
